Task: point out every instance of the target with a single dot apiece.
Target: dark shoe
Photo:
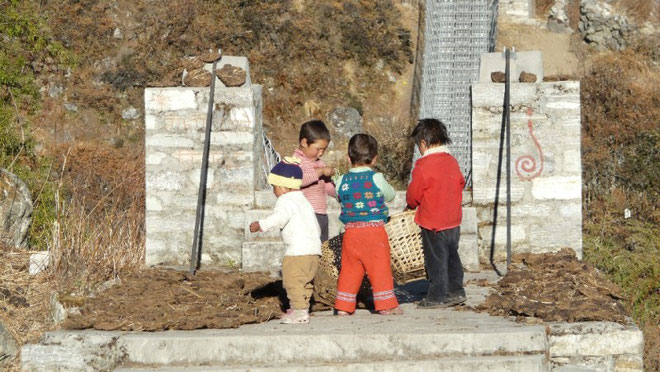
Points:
(426, 304)
(458, 299)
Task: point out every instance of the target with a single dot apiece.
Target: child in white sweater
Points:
(294, 215)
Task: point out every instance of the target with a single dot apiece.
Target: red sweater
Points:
(436, 190)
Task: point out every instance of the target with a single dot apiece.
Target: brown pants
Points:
(297, 275)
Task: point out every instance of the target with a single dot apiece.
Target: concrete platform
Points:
(442, 340)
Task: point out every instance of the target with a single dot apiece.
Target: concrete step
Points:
(527, 363)
(426, 335)
(264, 251)
(468, 224)
(267, 255)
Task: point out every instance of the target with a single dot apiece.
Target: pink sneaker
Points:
(394, 311)
(293, 316)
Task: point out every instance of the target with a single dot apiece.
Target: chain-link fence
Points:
(456, 32)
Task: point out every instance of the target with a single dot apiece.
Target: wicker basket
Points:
(405, 248)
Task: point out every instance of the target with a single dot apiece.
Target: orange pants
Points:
(365, 249)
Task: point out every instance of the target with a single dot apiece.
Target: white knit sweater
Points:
(295, 217)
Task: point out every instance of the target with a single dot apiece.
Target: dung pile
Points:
(555, 287)
(155, 300)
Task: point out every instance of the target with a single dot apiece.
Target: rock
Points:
(498, 77)
(72, 107)
(38, 262)
(197, 78)
(527, 77)
(231, 76)
(602, 28)
(130, 113)
(558, 19)
(55, 91)
(8, 344)
(58, 309)
(346, 121)
(117, 34)
(15, 210)
(391, 77)
(210, 57)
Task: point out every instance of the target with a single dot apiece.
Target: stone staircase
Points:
(419, 340)
(264, 251)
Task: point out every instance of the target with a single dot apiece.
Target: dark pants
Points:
(323, 223)
(443, 265)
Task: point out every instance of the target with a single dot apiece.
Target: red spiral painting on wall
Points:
(526, 166)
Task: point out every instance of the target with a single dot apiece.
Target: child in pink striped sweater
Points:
(316, 183)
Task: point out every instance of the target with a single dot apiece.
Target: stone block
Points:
(629, 363)
(492, 94)
(194, 177)
(194, 157)
(8, 344)
(518, 234)
(262, 256)
(157, 100)
(38, 262)
(594, 339)
(530, 210)
(557, 188)
(231, 139)
(231, 97)
(189, 123)
(468, 250)
(169, 140)
(572, 161)
(166, 181)
(239, 119)
(486, 195)
(571, 211)
(469, 222)
(155, 157)
(150, 122)
(231, 198)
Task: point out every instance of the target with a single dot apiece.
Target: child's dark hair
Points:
(362, 149)
(432, 132)
(314, 130)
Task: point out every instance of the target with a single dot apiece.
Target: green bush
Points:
(24, 37)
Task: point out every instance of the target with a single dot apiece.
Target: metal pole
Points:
(507, 111)
(201, 196)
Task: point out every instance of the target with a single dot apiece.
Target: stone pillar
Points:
(175, 121)
(546, 169)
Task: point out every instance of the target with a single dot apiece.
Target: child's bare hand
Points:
(325, 171)
(255, 227)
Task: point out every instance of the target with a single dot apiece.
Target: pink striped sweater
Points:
(315, 189)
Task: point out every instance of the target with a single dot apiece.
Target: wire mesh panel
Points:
(456, 33)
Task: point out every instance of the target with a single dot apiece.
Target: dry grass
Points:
(99, 226)
(641, 10)
(24, 300)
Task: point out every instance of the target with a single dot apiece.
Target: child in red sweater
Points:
(436, 190)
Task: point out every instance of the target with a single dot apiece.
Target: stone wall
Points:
(546, 181)
(175, 122)
(602, 28)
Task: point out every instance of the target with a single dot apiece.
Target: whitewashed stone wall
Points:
(517, 10)
(546, 181)
(175, 122)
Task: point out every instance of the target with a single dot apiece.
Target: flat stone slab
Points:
(328, 338)
(527, 363)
